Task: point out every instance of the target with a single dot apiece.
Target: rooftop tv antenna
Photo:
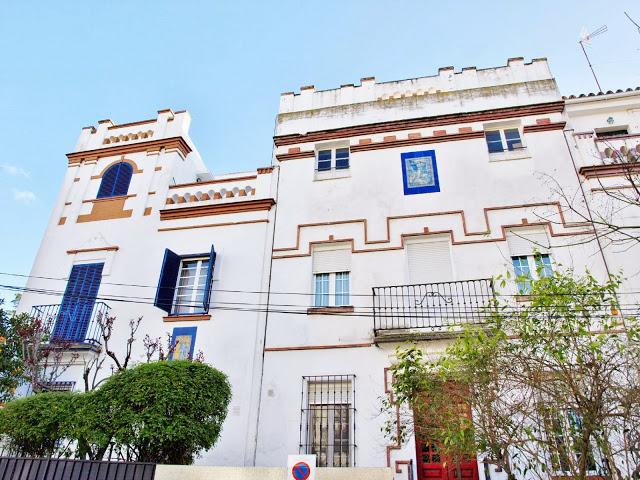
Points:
(632, 21)
(585, 39)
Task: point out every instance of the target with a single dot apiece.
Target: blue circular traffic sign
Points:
(301, 471)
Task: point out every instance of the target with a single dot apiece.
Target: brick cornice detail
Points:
(611, 170)
(543, 127)
(96, 249)
(220, 209)
(417, 141)
(295, 155)
(424, 122)
(283, 252)
(112, 151)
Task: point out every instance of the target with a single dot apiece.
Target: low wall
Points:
(172, 472)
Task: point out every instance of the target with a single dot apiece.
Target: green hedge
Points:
(162, 412)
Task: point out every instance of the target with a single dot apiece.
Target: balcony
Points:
(431, 310)
(619, 156)
(78, 323)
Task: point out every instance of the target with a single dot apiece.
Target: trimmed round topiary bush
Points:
(164, 412)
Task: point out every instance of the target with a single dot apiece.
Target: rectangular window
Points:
(183, 341)
(512, 136)
(498, 139)
(191, 286)
(342, 289)
(184, 286)
(321, 290)
(543, 265)
(564, 430)
(523, 273)
(324, 160)
(612, 133)
(342, 158)
(494, 141)
(76, 310)
(337, 158)
(331, 289)
(522, 266)
(327, 427)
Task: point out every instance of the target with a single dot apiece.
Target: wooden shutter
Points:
(115, 181)
(525, 242)
(77, 304)
(123, 179)
(429, 262)
(331, 261)
(108, 181)
(167, 282)
(208, 284)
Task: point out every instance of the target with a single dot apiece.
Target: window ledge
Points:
(187, 318)
(520, 154)
(332, 174)
(329, 310)
(523, 298)
(107, 199)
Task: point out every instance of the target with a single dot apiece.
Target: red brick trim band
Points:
(417, 123)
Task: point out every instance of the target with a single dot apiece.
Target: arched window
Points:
(115, 180)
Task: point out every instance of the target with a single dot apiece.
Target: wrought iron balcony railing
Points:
(431, 307)
(75, 322)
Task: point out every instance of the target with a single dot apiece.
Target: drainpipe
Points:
(586, 202)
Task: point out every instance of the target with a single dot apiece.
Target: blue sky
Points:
(68, 64)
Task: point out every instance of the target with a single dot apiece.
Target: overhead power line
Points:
(308, 294)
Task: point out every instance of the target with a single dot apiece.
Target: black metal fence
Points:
(431, 306)
(12, 468)
(72, 324)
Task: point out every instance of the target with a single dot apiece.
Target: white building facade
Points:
(386, 211)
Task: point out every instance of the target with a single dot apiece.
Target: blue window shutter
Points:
(208, 285)
(78, 301)
(123, 179)
(116, 180)
(167, 281)
(108, 181)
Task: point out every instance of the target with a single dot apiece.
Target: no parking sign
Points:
(301, 467)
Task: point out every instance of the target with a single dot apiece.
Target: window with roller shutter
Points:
(530, 256)
(331, 277)
(429, 261)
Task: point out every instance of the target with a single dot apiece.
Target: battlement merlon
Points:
(449, 92)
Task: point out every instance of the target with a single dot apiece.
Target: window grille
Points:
(327, 423)
(55, 386)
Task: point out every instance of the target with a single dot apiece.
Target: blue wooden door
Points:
(78, 302)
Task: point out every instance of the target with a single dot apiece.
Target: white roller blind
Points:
(330, 392)
(525, 242)
(429, 262)
(331, 261)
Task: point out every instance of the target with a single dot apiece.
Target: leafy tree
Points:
(11, 363)
(552, 385)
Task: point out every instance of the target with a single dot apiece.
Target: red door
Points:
(434, 466)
